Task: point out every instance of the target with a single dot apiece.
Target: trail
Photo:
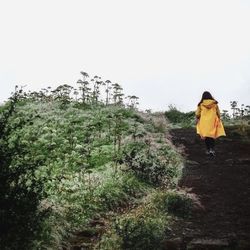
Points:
(222, 187)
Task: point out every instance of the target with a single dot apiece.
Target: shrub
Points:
(118, 191)
(110, 241)
(101, 155)
(20, 193)
(146, 226)
(155, 165)
(174, 203)
(177, 117)
(141, 231)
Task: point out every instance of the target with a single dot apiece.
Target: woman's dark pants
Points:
(210, 142)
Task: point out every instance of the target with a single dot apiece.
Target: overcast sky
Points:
(165, 52)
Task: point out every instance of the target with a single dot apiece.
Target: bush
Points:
(110, 241)
(101, 155)
(174, 203)
(20, 193)
(146, 226)
(155, 165)
(141, 231)
(177, 117)
(118, 191)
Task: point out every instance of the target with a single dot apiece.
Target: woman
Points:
(208, 123)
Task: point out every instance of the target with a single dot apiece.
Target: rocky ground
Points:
(220, 186)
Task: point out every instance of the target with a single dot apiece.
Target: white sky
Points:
(165, 52)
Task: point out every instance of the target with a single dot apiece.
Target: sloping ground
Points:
(221, 219)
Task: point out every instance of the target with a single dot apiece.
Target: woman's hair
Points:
(206, 95)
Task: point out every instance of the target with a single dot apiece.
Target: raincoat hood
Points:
(208, 103)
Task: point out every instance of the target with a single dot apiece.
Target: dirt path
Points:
(222, 185)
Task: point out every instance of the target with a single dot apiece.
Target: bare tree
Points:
(234, 107)
(133, 101)
(84, 86)
(107, 90)
(117, 93)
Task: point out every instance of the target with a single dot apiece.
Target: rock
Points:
(197, 206)
(243, 245)
(192, 163)
(244, 160)
(229, 161)
(208, 244)
(173, 244)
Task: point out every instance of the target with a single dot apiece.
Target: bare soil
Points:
(221, 187)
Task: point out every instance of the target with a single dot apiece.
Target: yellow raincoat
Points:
(209, 123)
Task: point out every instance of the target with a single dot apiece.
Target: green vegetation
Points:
(70, 156)
(145, 227)
(239, 121)
(20, 193)
(179, 118)
(174, 203)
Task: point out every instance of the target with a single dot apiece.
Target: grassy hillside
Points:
(68, 164)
